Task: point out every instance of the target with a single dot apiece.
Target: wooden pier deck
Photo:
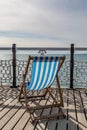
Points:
(13, 115)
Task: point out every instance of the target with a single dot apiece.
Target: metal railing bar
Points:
(46, 48)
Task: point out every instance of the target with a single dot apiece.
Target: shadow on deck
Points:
(13, 115)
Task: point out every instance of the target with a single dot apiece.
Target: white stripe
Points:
(35, 76)
(40, 75)
(45, 76)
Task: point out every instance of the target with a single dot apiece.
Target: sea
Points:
(80, 56)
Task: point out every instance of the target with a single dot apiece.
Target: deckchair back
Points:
(44, 70)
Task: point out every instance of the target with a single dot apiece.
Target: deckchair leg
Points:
(86, 91)
(52, 95)
(60, 112)
(59, 89)
(25, 96)
(45, 93)
(21, 91)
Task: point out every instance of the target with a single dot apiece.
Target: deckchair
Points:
(44, 71)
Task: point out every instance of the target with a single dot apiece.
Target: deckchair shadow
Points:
(44, 71)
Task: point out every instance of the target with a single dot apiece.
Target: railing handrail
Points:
(45, 48)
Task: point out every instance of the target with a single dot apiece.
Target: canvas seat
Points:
(44, 71)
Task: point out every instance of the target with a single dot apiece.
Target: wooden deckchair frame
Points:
(55, 104)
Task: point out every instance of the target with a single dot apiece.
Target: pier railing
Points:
(73, 73)
(80, 74)
(5, 72)
(7, 75)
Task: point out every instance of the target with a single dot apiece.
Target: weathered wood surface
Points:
(13, 115)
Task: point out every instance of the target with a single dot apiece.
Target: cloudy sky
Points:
(43, 23)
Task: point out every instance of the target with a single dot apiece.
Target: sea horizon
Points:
(23, 54)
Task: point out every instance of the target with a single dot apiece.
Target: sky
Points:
(43, 23)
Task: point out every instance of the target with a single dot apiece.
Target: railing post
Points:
(71, 65)
(14, 64)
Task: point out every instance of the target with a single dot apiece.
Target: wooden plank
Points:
(72, 118)
(84, 102)
(7, 109)
(13, 121)
(61, 124)
(42, 124)
(23, 120)
(80, 113)
(29, 125)
(52, 123)
(9, 115)
(14, 116)
(4, 104)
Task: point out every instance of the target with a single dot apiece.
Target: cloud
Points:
(25, 42)
(47, 20)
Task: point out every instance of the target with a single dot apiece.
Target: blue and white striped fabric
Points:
(44, 70)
